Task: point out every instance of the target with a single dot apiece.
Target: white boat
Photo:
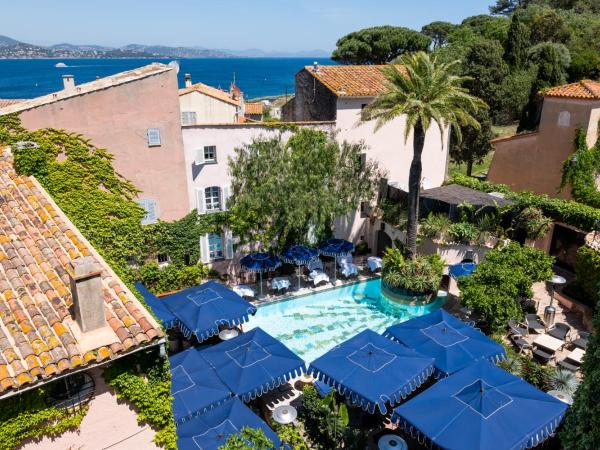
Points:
(60, 64)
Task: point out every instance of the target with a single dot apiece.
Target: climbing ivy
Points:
(581, 171)
(28, 416)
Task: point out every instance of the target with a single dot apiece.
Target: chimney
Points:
(88, 295)
(188, 79)
(316, 67)
(69, 82)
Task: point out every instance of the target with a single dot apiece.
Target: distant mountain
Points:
(13, 49)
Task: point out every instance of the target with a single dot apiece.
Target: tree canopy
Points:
(282, 192)
(475, 144)
(438, 32)
(378, 45)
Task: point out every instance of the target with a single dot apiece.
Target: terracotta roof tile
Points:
(213, 92)
(584, 89)
(352, 81)
(254, 108)
(36, 340)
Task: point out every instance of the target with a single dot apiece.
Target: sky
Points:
(279, 25)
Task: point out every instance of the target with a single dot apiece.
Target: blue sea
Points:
(256, 77)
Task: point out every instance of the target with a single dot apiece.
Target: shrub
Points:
(423, 274)
(172, 277)
(533, 222)
(587, 274)
(505, 275)
(463, 232)
(435, 226)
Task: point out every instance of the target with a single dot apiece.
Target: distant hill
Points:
(12, 49)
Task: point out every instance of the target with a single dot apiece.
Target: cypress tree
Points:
(581, 430)
(517, 42)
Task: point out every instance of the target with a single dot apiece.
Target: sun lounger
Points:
(520, 343)
(560, 331)
(535, 323)
(347, 267)
(569, 365)
(374, 263)
(518, 328)
(316, 274)
(542, 356)
(244, 291)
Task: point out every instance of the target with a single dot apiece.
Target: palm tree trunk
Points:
(469, 167)
(414, 186)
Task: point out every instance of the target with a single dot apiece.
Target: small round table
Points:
(285, 414)
(562, 396)
(391, 442)
(226, 335)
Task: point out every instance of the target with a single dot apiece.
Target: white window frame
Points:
(153, 136)
(214, 252)
(213, 200)
(188, 118)
(163, 259)
(213, 149)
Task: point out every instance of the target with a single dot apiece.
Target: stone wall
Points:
(313, 100)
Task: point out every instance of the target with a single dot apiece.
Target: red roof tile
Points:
(584, 89)
(213, 92)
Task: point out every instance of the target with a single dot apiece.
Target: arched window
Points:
(212, 198)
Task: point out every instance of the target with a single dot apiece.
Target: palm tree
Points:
(424, 91)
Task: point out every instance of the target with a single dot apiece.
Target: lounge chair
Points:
(374, 263)
(569, 365)
(560, 331)
(347, 267)
(582, 340)
(317, 274)
(535, 323)
(518, 328)
(520, 343)
(542, 356)
(244, 291)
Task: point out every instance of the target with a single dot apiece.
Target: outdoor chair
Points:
(542, 356)
(520, 343)
(316, 272)
(582, 340)
(560, 331)
(535, 323)
(347, 267)
(568, 365)
(518, 328)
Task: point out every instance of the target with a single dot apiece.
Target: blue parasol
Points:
(260, 262)
(300, 255)
(335, 247)
(462, 269)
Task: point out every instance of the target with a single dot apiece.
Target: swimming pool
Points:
(311, 325)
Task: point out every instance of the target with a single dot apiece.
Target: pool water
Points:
(311, 325)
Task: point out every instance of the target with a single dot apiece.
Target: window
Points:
(153, 137)
(215, 246)
(163, 259)
(188, 118)
(212, 198)
(210, 153)
(564, 119)
(150, 206)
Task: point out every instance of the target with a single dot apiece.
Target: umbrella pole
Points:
(298, 277)
(334, 269)
(261, 287)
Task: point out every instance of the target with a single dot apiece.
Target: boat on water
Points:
(60, 64)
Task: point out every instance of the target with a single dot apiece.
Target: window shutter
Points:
(228, 245)
(151, 209)
(153, 136)
(204, 256)
(224, 197)
(200, 202)
(199, 157)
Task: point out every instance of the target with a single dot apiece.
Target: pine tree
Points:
(581, 430)
(517, 42)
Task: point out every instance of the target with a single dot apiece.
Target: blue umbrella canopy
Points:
(453, 343)
(253, 363)
(195, 386)
(372, 371)
(482, 407)
(200, 310)
(299, 254)
(260, 262)
(462, 269)
(157, 306)
(335, 247)
(211, 430)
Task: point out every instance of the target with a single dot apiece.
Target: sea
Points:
(256, 77)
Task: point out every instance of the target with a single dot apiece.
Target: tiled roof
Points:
(351, 81)
(253, 108)
(584, 89)
(37, 245)
(4, 102)
(211, 92)
(86, 88)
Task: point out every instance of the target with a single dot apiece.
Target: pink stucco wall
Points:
(117, 118)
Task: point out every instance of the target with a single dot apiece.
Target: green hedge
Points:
(567, 211)
(587, 275)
